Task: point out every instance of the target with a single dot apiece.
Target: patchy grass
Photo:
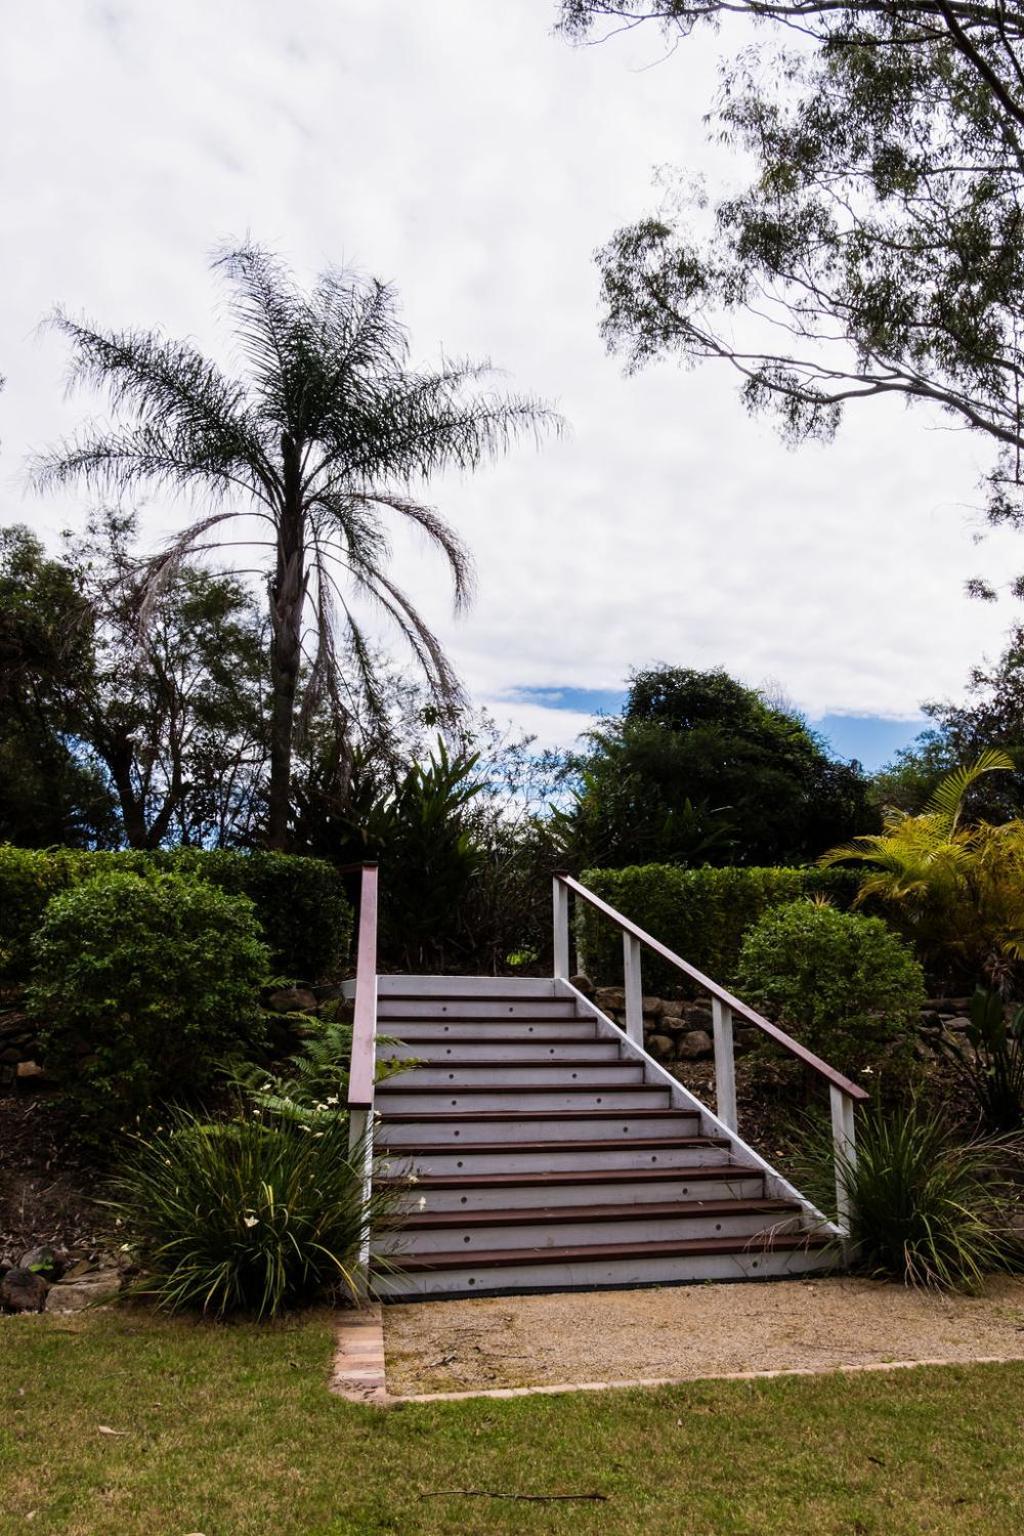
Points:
(229, 1429)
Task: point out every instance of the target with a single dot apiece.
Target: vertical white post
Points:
(845, 1145)
(725, 1064)
(360, 1146)
(634, 988)
(560, 900)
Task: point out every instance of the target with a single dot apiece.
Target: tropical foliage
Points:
(306, 456)
(988, 1055)
(956, 887)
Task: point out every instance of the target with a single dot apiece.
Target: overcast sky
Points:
(460, 149)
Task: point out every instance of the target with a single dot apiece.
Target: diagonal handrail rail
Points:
(844, 1095)
(844, 1084)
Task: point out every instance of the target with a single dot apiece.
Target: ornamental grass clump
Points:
(926, 1207)
(244, 1215)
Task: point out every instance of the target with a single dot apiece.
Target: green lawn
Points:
(223, 1430)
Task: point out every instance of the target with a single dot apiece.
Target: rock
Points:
(292, 1000)
(23, 1291)
(610, 998)
(30, 1071)
(958, 1024)
(672, 1008)
(660, 1047)
(653, 1007)
(42, 1261)
(582, 984)
(92, 1290)
(695, 1045)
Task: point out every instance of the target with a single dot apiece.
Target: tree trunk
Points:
(287, 596)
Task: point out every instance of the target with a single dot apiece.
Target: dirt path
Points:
(690, 1332)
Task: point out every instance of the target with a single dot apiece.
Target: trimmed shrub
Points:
(845, 986)
(243, 1215)
(700, 913)
(300, 903)
(142, 986)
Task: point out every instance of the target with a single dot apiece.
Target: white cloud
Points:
(468, 154)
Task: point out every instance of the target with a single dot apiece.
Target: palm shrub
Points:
(250, 1214)
(844, 985)
(956, 888)
(142, 987)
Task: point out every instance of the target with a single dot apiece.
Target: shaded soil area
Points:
(691, 1332)
(45, 1188)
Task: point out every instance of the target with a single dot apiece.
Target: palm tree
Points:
(322, 438)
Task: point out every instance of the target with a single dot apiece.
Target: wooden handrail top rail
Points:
(364, 1023)
(851, 1089)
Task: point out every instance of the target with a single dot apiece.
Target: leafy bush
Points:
(243, 1215)
(700, 913)
(989, 1058)
(141, 987)
(844, 985)
(300, 903)
(925, 1208)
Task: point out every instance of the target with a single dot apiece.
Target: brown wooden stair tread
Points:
(691, 1247)
(583, 1176)
(469, 1148)
(514, 1089)
(496, 1116)
(552, 1215)
(523, 1064)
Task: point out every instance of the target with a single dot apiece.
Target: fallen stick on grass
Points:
(529, 1498)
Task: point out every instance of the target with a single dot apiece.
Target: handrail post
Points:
(725, 1064)
(363, 1064)
(634, 988)
(560, 904)
(844, 1143)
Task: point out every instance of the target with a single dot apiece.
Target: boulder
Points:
(661, 1047)
(653, 1007)
(582, 984)
(672, 1008)
(90, 1290)
(292, 1000)
(610, 998)
(695, 1045)
(21, 1290)
(42, 1261)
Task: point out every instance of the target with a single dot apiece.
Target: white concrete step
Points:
(516, 1102)
(553, 1157)
(494, 1031)
(463, 1128)
(596, 1271)
(601, 1186)
(476, 1009)
(499, 1052)
(598, 1226)
(513, 1076)
(442, 987)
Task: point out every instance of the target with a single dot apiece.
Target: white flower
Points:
(332, 1098)
(250, 1221)
(422, 1202)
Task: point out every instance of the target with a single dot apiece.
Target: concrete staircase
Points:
(532, 1146)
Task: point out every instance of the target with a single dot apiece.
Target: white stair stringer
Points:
(530, 1145)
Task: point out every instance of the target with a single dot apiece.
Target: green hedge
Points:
(700, 913)
(300, 903)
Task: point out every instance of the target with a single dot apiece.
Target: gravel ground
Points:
(690, 1332)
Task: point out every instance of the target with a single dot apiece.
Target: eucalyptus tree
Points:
(324, 437)
(878, 247)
